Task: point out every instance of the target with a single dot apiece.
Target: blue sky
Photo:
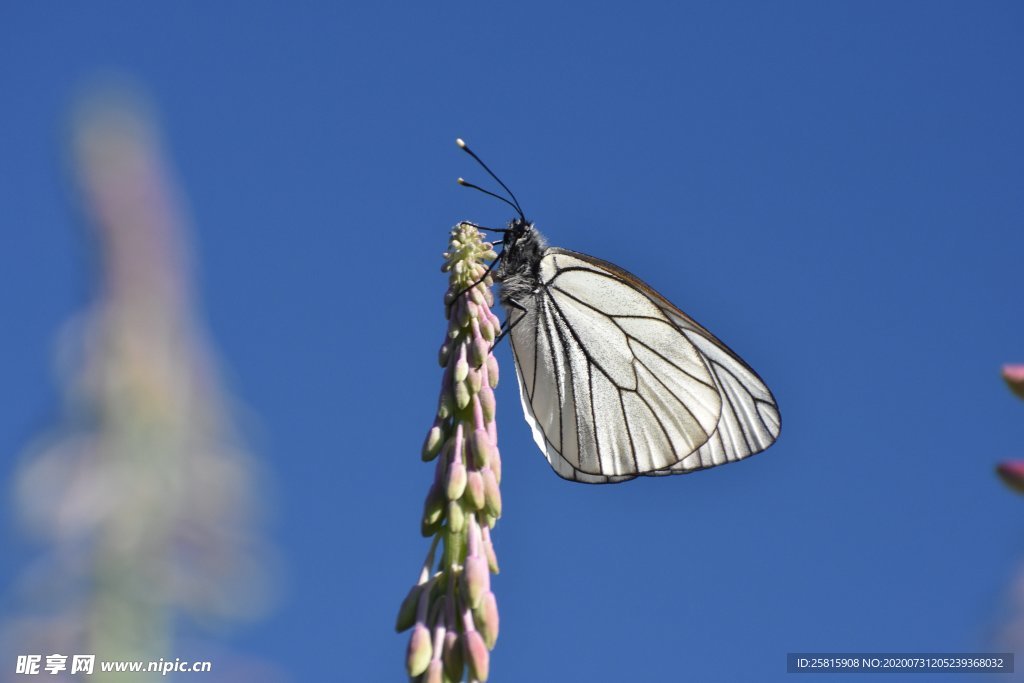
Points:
(832, 188)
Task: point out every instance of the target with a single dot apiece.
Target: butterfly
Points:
(615, 380)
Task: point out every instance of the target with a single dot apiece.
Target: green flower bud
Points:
(492, 371)
(456, 480)
(487, 330)
(446, 402)
(418, 656)
(452, 655)
(433, 511)
(433, 504)
(475, 381)
(461, 366)
(456, 516)
(432, 444)
(462, 395)
(485, 616)
(492, 559)
(443, 353)
(492, 495)
(407, 612)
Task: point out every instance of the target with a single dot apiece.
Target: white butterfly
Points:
(615, 380)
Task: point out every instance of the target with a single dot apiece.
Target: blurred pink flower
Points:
(1012, 471)
(1014, 377)
(1012, 474)
(143, 493)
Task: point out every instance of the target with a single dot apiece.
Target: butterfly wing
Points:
(617, 382)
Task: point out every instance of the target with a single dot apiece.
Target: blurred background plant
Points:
(1010, 632)
(1012, 471)
(145, 501)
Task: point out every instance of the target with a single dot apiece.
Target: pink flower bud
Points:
(475, 490)
(477, 577)
(495, 462)
(457, 443)
(481, 448)
(477, 656)
(487, 404)
(435, 672)
(480, 348)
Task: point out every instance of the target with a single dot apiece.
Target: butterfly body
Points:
(519, 270)
(615, 380)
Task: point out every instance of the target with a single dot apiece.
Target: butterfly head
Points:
(522, 249)
(519, 231)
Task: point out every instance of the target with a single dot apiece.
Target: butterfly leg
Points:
(506, 327)
(483, 277)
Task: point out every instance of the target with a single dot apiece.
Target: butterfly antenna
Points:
(465, 183)
(514, 203)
